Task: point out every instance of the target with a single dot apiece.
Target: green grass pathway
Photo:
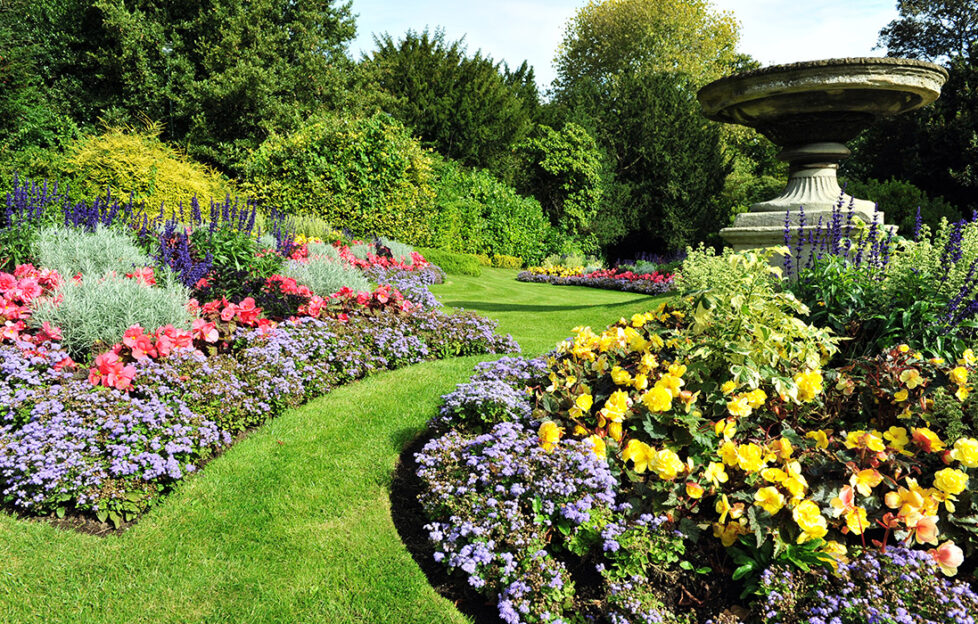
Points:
(293, 523)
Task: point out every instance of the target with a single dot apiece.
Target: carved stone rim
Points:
(882, 74)
(844, 61)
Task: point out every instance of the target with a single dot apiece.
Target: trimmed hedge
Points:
(452, 263)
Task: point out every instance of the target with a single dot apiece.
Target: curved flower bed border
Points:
(109, 440)
(608, 279)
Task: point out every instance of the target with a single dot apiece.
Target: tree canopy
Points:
(220, 74)
(469, 108)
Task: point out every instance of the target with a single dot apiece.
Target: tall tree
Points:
(936, 147)
(613, 37)
(221, 74)
(628, 71)
(469, 108)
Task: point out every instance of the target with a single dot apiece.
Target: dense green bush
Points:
(476, 213)
(452, 263)
(69, 251)
(366, 174)
(900, 199)
(138, 162)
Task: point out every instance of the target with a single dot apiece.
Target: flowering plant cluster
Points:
(609, 279)
(377, 258)
(729, 416)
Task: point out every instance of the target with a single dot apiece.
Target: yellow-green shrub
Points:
(365, 174)
(137, 161)
(483, 259)
(506, 262)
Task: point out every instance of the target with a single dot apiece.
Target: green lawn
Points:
(293, 523)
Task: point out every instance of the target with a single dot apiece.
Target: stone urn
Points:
(811, 110)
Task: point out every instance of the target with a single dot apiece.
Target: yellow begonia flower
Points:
(751, 457)
(549, 434)
(597, 445)
(739, 407)
(809, 384)
(927, 440)
(667, 465)
(640, 454)
(638, 320)
(865, 480)
(756, 398)
(670, 382)
(901, 395)
(962, 393)
(724, 508)
(647, 363)
(584, 402)
(694, 490)
(966, 452)
(728, 453)
(580, 431)
(903, 348)
(614, 430)
(774, 475)
(621, 376)
(967, 358)
(782, 448)
(796, 487)
(810, 520)
(856, 520)
(614, 408)
(657, 399)
(835, 550)
(911, 377)
(897, 436)
(715, 473)
(769, 499)
(728, 387)
(959, 375)
(640, 381)
(950, 481)
(729, 533)
(821, 438)
(871, 440)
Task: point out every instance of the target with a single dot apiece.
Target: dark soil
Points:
(409, 519)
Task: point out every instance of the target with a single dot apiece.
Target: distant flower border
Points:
(607, 279)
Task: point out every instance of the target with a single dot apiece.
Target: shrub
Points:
(322, 249)
(703, 269)
(452, 263)
(138, 162)
(399, 251)
(367, 175)
(98, 311)
(325, 276)
(69, 251)
(483, 259)
(476, 213)
(506, 262)
(901, 200)
(312, 226)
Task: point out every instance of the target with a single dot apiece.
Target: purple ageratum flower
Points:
(471, 497)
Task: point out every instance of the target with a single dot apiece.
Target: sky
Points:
(772, 31)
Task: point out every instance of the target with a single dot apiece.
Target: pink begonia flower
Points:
(49, 333)
(247, 312)
(144, 275)
(7, 282)
(141, 345)
(24, 270)
(229, 312)
(948, 556)
(363, 298)
(202, 330)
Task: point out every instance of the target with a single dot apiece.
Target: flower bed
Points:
(609, 279)
(712, 460)
(107, 427)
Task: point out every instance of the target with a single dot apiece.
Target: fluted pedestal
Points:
(808, 199)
